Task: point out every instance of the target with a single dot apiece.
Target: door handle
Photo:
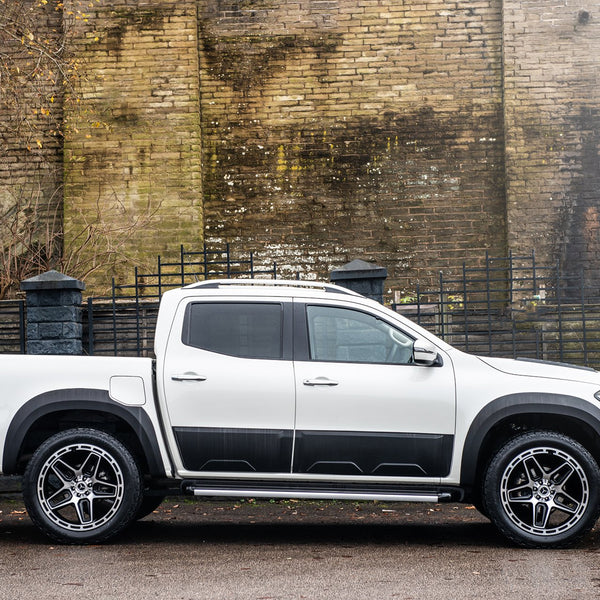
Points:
(320, 381)
(188, 377)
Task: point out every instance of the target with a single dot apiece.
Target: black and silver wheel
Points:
(82, 486)
(541, 490)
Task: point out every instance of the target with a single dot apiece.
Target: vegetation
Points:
(38, 80)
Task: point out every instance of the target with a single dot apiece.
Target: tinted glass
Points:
(345, 335)
(247, 330)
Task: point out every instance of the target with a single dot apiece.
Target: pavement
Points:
(197, 549)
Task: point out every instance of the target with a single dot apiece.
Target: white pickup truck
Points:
(299, 390)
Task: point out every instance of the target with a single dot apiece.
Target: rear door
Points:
(228, 380)
(363, 407)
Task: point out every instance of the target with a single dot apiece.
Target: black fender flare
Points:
(80, 399)
(530, 403)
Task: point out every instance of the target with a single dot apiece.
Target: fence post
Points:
(362, 277)
(53, 314)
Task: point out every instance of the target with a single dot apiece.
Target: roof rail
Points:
(294, 283)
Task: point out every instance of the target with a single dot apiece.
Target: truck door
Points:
(363, 407)
(229, 386)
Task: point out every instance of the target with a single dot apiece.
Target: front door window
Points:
(345, 335)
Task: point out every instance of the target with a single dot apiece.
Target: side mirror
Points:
(424, 353)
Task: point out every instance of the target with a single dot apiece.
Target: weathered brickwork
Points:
(30, 117)
(552, 112)
(354, 128)
(415, 135)
(132, 159)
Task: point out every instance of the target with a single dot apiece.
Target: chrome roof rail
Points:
(292, 283)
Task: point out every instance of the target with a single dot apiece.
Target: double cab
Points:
(289, 389)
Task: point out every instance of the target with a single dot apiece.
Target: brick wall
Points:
(416, 135)
(132, 152)
(552, 112)
(30, 119)
(354, 128)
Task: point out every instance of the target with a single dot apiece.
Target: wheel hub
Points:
(544, 490)
(82, 486)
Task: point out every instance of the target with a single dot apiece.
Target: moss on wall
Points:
(132, 153)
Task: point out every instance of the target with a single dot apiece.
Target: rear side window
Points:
(245, 330)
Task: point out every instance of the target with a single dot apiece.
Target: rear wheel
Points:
(82, 486)
(541, 490)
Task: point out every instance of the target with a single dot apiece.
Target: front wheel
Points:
(541, 490)
(82, 486)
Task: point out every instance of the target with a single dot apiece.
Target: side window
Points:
(346, 335)
(245, 330)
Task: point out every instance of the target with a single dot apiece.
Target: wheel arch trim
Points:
(513, 405)
(80, 399)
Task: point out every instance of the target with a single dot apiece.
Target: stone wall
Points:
(339, 129)
(415, 135)
(30, 120)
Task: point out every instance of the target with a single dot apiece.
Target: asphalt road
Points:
(189, 550)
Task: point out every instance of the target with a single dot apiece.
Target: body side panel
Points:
(35, 385)
(485, 393)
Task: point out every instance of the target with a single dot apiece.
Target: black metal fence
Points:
(513, 307)
(123, 323)
(509, 306)
(12, 327)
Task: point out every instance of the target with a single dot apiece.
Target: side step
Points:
(314, 493)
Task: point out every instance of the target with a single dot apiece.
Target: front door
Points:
(363, 407)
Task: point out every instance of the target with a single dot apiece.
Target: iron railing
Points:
(509, 306)
(512, 307)
(12, 327)
(123, 323)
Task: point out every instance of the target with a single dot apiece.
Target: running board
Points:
(319, 494)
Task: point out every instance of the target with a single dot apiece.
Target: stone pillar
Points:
(53, 314)
(362, 277)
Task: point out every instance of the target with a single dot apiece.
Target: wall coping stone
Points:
(51, 280)
(358, 269)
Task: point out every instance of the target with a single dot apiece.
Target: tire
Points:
(541, 490)
(82, 486)
(149, 504)
(479, 505)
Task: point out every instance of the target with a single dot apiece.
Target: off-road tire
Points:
(541, 490)
(82, 486)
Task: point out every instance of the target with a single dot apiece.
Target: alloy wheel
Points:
(80, 487)
(544, 491)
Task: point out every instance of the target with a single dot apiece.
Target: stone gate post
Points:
(53, 314)
(362, 277)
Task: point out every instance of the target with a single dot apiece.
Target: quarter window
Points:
(245, 330)
(345, 335)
